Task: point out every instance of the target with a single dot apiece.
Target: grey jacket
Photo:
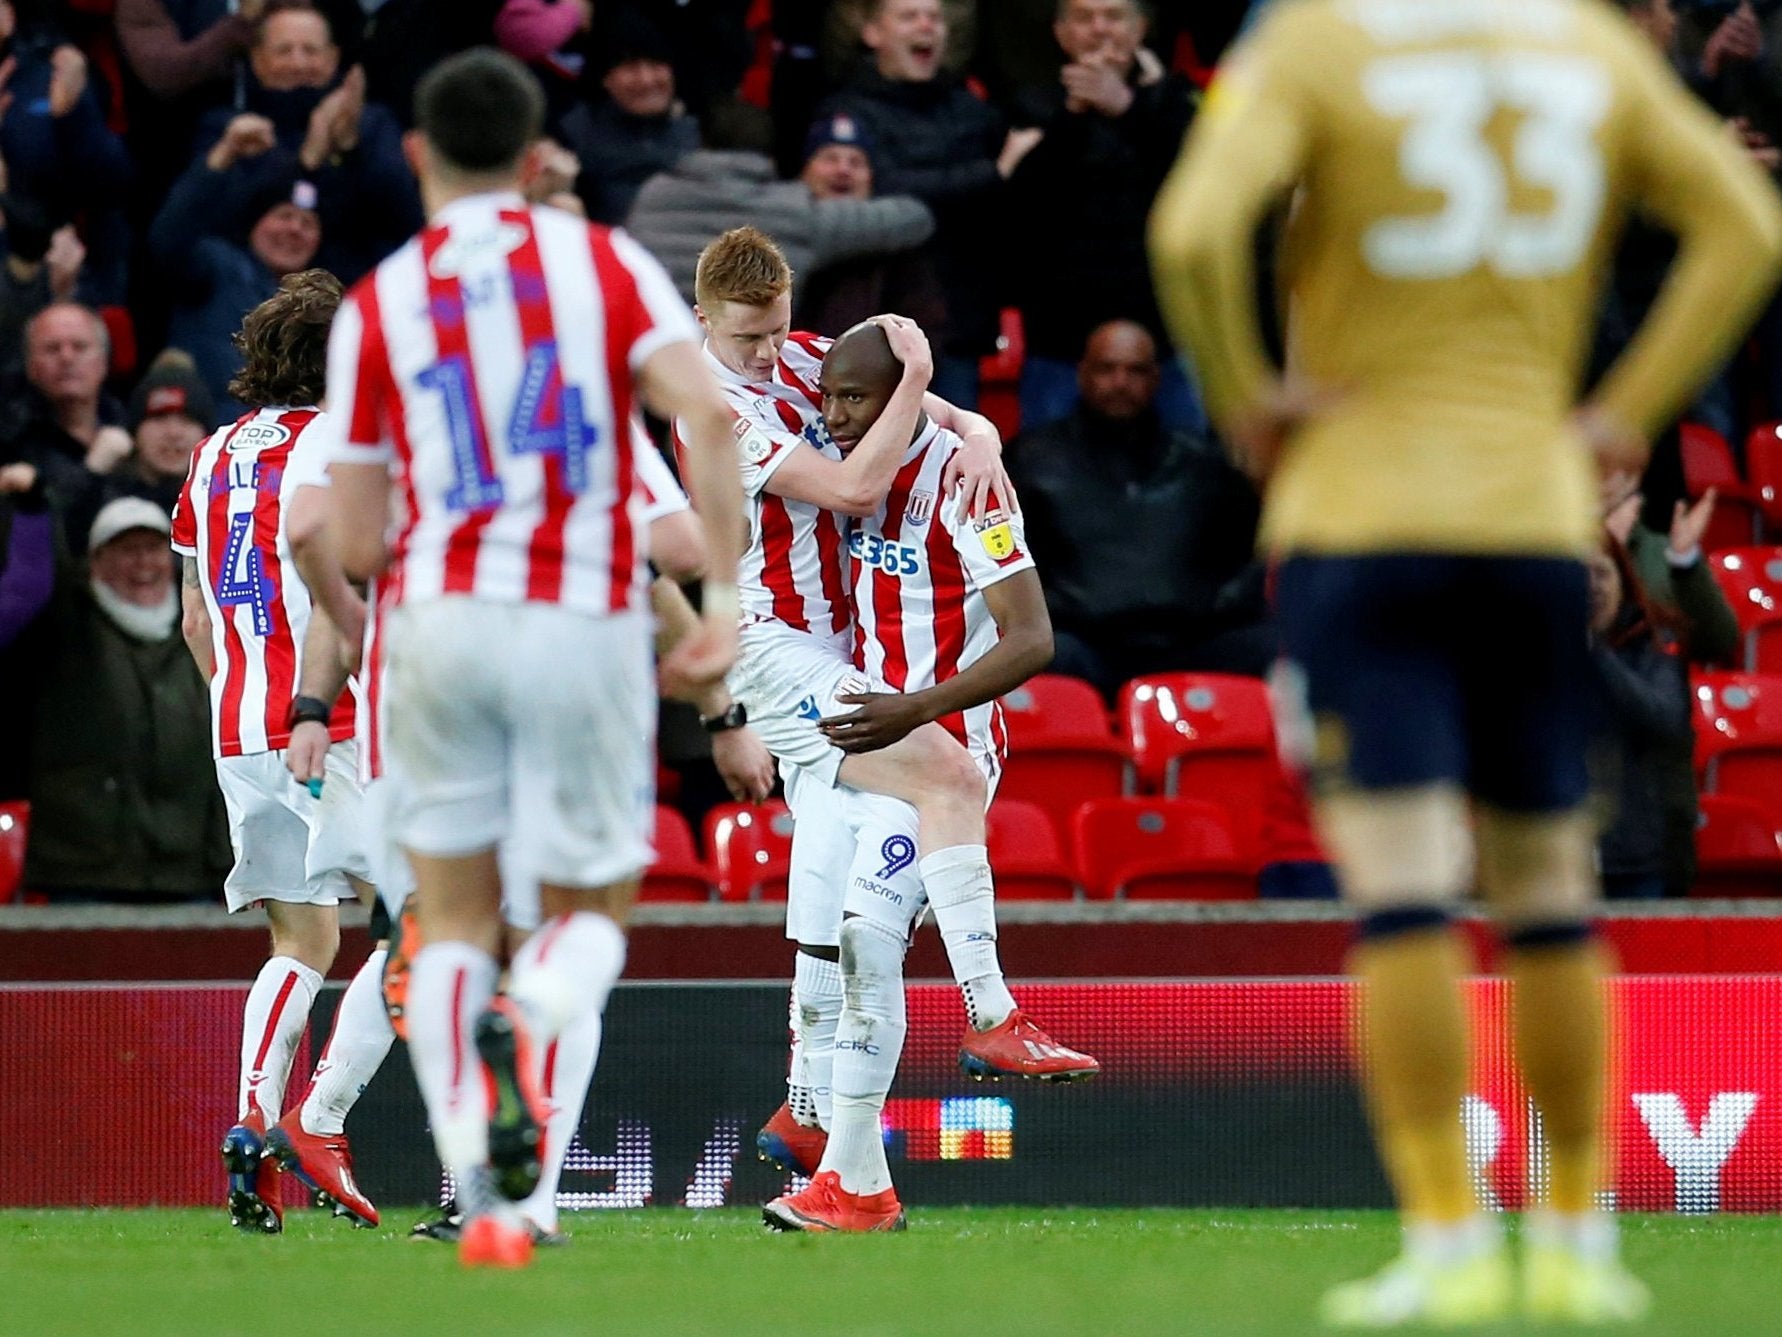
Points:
(680, 211)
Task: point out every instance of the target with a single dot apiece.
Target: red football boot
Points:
(256, 1206)
(323, 1163)
(489, 1241)
(791, 1146)
(1019, 1048)
(826, 1206)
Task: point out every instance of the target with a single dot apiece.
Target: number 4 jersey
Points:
(230, 520)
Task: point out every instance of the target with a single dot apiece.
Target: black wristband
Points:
(734, 718)
(307, 708)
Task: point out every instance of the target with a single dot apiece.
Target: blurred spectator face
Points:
(165, 442)
(907, 38)
(1605, 591)
(1118, 373)
(285, 239)
(294, 51)
(747, 339)
(137, 566)
(65, 354)
(1087, 27)
(641, 87)
(1658, 21)
(838, 172)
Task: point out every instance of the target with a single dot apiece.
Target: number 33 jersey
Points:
(230, 519)
(919, 571)
(1460, 172)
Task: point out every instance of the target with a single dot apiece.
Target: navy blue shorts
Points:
(1420, 668)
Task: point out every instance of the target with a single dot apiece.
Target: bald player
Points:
(1457, 172)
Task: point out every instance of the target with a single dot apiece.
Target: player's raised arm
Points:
(857, 485)
(1247, 148)
(1705, 188)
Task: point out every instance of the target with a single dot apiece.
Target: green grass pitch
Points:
(958, 1270)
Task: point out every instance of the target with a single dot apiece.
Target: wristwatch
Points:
(307, 708)
(734, 718)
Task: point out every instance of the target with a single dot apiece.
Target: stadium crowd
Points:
(986, 169)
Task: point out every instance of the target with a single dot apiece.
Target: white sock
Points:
(272, 1023)
(356, 1047)
(1453, 1242)
(816, 1008)
(568, 1069)
(566, 970)
(449, 984)
(963, 896)
(868, 1044)
(1591, 1235)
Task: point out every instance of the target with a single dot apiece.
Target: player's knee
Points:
(1399, 848)
(307, 933)
(948, 774)
(1537, 871)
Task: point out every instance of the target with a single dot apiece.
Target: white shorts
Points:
(289, 846)
(788, 680)
(525, 727)
(853, 853)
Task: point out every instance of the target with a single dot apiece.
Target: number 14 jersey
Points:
(230, 519)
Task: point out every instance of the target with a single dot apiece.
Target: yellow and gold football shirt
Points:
(1455, 173)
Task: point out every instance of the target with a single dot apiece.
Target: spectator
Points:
(949, 149)
(1673, 571)
(228, 240)
(1645, 736)
(843, 35)
(825, 216)
(1144, 535)
(27, 552)
(41, 267)
(303, 119)
(54, 139)
(1113, 125)
(406, 38)
(63, 423)
(124, 802)
(170, 413)
(637, 130)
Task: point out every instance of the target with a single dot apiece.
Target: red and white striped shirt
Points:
(919, 573)
(230, 518)
(490, 364)
(794, 570)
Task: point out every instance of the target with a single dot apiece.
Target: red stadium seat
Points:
(15, 820)
(1751, 579)
(999, 376)
(1763, 465)
(751, 847)
(1708, 463)
(1738, 849)
(678, 874)
(1205, 736)
(1061, 750)
(1025, 854)
(1738, 736)
(1160, 848)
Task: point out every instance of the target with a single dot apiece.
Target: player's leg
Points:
(269, 840)
(822, 850)
(581, 775)
(1537, 869)
(310, 1141)
(448, 738)
(851, 1189)
(1383, 722)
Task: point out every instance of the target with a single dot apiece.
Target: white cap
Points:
(126, 513)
